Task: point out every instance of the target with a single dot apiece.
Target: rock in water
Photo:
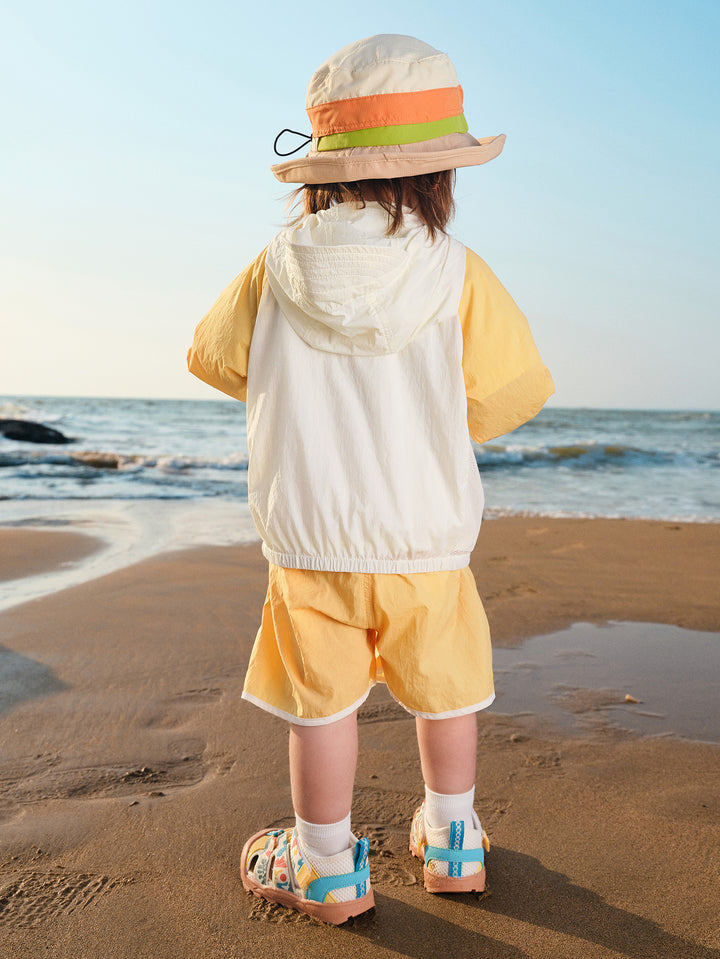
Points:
(28, 432)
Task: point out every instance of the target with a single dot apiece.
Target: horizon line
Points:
(229, 399)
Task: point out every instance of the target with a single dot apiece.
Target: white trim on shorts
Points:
(450, 713)
(324, 720)
(302, 720)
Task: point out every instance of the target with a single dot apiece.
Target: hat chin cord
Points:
(305, 140)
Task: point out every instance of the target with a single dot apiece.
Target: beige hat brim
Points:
(388, 162)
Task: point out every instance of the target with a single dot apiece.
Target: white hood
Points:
(344, 286)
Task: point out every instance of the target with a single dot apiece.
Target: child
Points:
(367, 345)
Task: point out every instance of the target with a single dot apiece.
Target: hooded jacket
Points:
(366, 362)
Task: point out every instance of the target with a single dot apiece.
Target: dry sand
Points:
(131, 771)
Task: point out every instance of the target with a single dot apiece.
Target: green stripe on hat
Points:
(393, 135)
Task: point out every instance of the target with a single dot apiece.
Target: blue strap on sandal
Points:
(455, 856)
(319, 888)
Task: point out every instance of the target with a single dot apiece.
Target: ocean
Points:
(565, 462)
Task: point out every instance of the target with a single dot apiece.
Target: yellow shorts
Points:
(326, 638)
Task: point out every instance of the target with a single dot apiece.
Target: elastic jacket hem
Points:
(364, 564)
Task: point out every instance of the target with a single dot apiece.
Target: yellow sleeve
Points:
(219, 354)
(505, 380)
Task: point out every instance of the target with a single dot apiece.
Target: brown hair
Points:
(429, 195)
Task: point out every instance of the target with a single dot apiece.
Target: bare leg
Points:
(448, 752)
(322, 769)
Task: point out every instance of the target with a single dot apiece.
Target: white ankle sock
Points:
(442, 809)
(321, 840)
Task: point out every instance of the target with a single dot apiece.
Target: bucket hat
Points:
(386, 106)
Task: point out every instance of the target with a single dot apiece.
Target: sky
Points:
(136, 141)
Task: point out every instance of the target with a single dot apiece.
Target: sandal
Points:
(454, 857)
(273, 867)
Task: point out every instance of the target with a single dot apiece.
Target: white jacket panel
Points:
(360, 457)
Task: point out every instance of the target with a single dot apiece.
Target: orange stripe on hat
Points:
(385, 109)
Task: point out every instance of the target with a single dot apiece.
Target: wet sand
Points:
(131, 772)
(26, 552)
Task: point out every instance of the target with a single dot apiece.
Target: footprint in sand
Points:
(175, 710)
(384, 807)
(31, 898)
(492, 811)
(34, 780)
(390, 861)
(272, 912)
(549, 760)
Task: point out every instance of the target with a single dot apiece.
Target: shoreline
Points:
(527, 567)
(126, 532)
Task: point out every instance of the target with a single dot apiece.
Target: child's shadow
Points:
(408, 931)
(523, 890)
(526, 890)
